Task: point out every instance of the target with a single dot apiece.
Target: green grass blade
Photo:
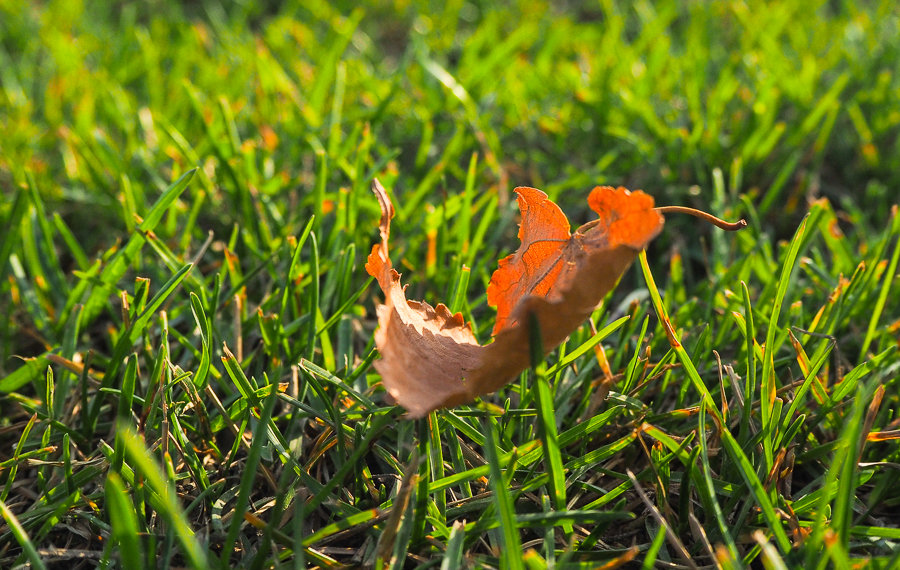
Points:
(676, 345)
(249, 475)
(710, 493)
(511, 548)
(547, 421)
(885, 289)
(123, 346)
(115, 269)
(166, 499)
(123, 520)
(24, 374)
(11, 235)
(748, 474)
(31, 553)
(453, 555)
(767, 382)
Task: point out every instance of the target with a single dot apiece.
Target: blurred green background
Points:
(803, 96)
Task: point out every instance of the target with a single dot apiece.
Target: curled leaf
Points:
(550, 258)
(430, 358)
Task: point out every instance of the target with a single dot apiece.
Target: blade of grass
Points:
(127, 339)
(123, 520)
(126, 398)
(453, 554)
(683, 357)
(115, 269)
(750, 382)
(547, 420)
(166, 499)
(885, 289)
(11, 223)
(31, 553)
(734, 451)
(767, 382)
(511, 547)
(717, 514)
(248, 477)
(748, 474)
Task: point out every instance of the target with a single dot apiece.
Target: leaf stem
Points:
(727, 226)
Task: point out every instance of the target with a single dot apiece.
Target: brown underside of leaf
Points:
(430, 358)
(425, 351)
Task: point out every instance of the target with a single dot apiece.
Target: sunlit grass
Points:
(185, 372)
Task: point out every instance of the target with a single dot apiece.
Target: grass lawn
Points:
(186, 358)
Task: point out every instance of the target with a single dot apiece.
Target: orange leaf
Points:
(430, 357)
(550, 258)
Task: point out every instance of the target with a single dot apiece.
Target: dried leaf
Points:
(430, 357)
(550, 258)
(425, 351)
